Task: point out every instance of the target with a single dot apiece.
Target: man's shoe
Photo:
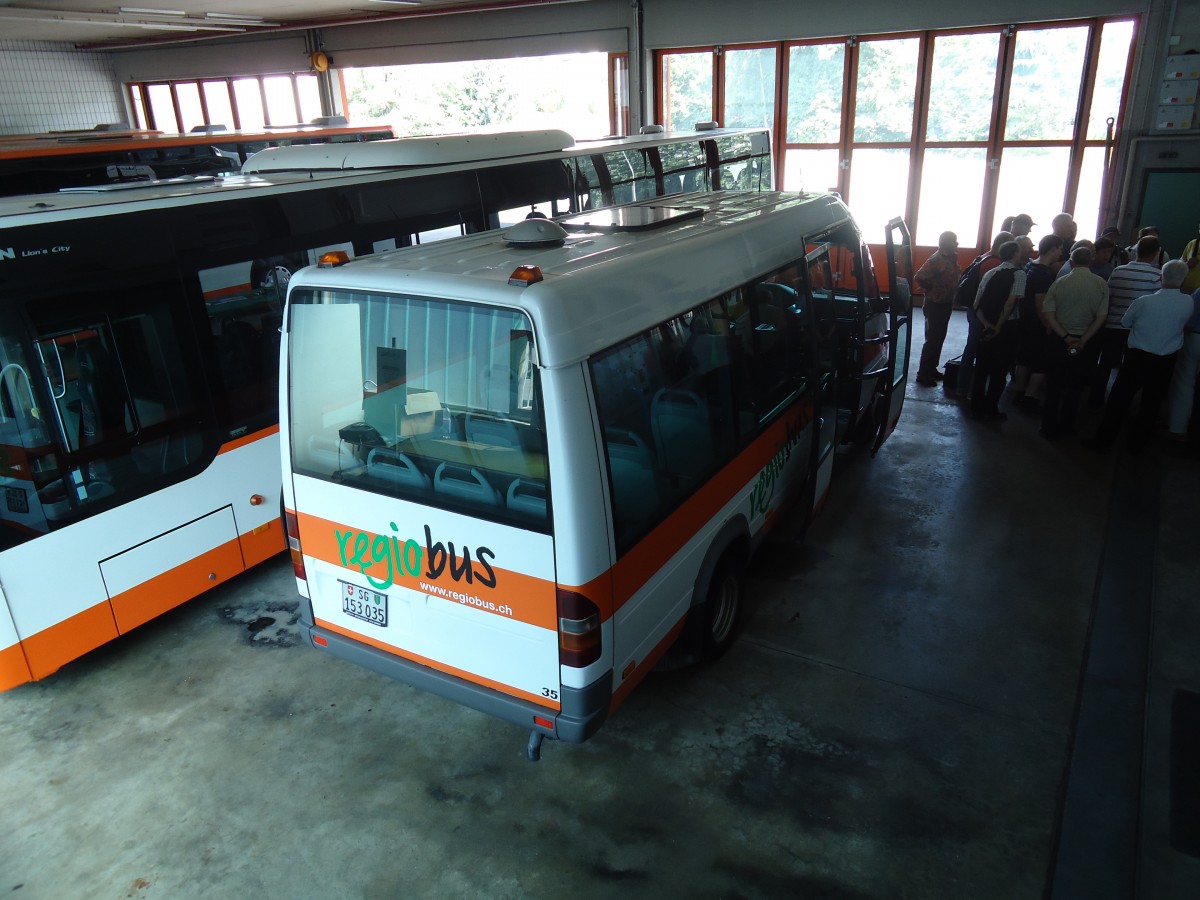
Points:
(937, 376)
(926, 381)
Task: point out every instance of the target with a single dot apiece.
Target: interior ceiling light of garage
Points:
(104, 23)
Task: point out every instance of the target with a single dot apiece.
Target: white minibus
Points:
(139, 341)
(520, 466)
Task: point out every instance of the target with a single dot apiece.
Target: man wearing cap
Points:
(1120, 255)
(1022, 224)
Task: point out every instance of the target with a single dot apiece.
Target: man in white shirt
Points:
(1155, 322)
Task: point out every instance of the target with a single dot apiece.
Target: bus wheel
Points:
(723, 607)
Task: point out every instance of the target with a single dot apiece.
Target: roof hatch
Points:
(631, 218)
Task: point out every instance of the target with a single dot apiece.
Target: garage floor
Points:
(943, 692)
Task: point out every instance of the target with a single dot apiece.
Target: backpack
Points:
(998, 290)
(968, 284)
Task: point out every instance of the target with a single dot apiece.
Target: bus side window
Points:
(121, 416)
(665, 402)
(778, 342)
(244, 302)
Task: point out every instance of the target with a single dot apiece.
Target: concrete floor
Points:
(896, 721)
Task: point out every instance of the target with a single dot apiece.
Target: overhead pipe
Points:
(336, 23)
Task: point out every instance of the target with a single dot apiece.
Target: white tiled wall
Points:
(47, 86)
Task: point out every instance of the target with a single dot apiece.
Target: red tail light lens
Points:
(293, 535)
(579, 631)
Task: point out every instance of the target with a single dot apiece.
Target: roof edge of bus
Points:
(430, 150)
(650, 137)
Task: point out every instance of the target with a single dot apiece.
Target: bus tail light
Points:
(293, 536)
(578, 629)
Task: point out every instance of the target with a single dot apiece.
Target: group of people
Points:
(1049, 323)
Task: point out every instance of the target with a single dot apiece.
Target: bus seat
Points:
(493, 432)
(527, 496)
(464, 483)
(682, 433)
(324, 453)
(634, 483)
(396, 467)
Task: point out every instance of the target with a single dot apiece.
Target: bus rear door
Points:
(818, 283)
(900, 271)
(420, 482)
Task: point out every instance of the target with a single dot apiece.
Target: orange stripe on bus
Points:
(54, 647)
(263, 542)
(249, 438)
(232, 291)
(14, 667)
(441, 667)
(532, 600)
(92, 145)
(651, 660)
(166, 591)
(651, 553)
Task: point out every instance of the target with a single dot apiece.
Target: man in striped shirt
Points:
(1127, 283)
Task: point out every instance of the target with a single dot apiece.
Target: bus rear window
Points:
(428, 400)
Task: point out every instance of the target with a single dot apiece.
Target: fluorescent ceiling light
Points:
(71, 17)
(235, 17)
(152, 12)
(399, 2)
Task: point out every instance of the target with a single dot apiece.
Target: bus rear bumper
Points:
(582, 712)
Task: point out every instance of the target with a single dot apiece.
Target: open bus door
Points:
(819, 281)
(900, 271)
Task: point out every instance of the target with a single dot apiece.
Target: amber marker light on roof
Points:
(333, 258)
(523, 276)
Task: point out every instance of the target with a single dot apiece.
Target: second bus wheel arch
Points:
(276, 271)
(727, 554)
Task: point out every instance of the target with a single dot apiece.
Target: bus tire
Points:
(723, 607)
(276, 271)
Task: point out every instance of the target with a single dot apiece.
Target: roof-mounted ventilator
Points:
(535, 232)
(631, 218)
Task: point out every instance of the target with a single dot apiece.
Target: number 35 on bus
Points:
(521, 466)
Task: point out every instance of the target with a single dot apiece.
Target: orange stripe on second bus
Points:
(231, 291)
(152, 598)
(14, 667)
(248, 438)
(54, 647)
(263, 542)
(441, 667)
(532, 600)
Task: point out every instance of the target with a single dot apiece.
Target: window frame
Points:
(993, 145)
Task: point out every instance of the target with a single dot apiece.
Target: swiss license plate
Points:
(363, 603)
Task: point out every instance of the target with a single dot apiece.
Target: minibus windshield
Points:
(425, 399)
